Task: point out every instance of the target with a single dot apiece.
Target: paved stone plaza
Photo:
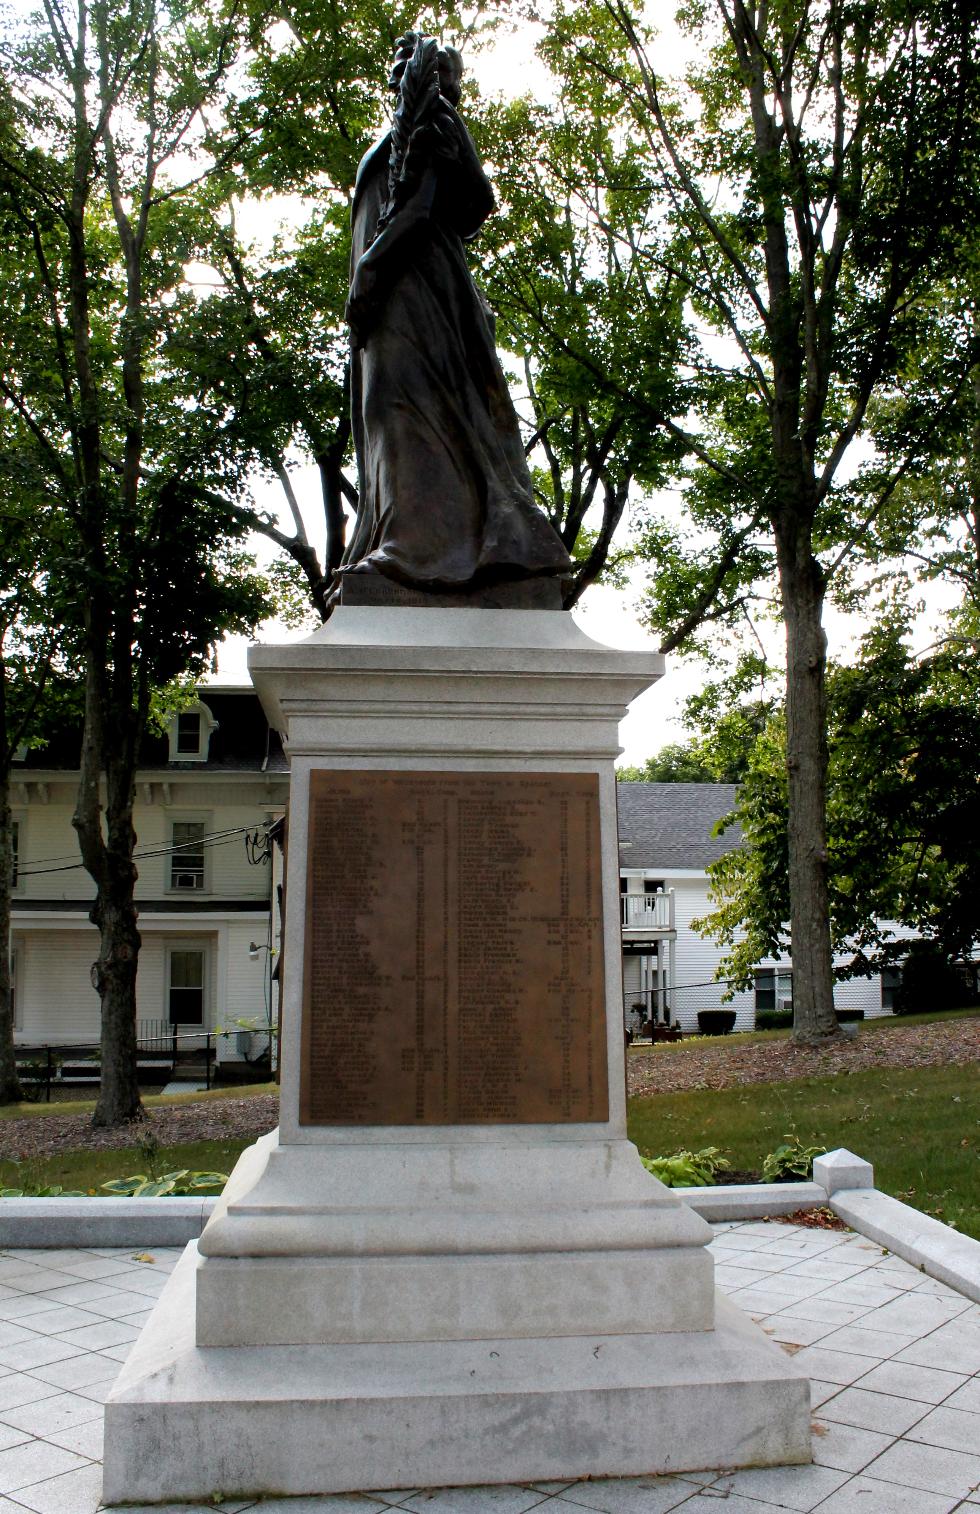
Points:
(894, 1357)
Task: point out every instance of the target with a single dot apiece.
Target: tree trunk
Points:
(114, 978)
(108, 859)
(10, 1089)
(115, 913)
(802, 590)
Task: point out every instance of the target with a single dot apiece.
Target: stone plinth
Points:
(488, 1286)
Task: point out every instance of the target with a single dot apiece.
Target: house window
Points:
(187, 859)
(891, 982)
(186, 984)
(773, 989)
(190, 734)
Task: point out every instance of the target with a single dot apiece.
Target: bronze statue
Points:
(445, 494)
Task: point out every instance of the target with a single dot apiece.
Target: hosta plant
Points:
(176, 1184)
(688, 1169)
(791, 1161)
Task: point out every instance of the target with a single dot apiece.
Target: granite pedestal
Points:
(487, 1286)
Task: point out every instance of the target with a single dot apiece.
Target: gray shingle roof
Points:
(670, 824)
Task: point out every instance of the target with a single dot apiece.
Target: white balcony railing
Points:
(652, 912)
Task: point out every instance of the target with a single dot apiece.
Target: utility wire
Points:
(215, 838)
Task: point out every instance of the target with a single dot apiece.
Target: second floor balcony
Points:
(648, 912)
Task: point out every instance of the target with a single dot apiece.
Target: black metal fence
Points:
(159, 1050)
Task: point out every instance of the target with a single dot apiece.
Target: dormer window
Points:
(190, 734)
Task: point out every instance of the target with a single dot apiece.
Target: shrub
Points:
(930, 981)
(716, 1022)
(774, 1019)
(844, 1016)
(688, 1169)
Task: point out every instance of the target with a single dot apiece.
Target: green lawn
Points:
(86, 1170)
(920, 1129)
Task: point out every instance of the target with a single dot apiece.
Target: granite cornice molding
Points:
(480, 662)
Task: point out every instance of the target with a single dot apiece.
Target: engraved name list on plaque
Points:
(454, 969)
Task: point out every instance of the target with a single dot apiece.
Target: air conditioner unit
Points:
(785, 1005)
(188, 880)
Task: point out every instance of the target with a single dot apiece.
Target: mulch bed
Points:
(720, 1064)
(212, 1120)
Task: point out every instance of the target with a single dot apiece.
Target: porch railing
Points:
(648, 911)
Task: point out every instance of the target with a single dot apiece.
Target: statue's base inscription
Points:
(454, 968)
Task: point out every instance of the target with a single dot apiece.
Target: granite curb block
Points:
(102, 1221)
(751, 1201)
(918, 1239)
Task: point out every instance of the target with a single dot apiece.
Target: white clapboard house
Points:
(207, 791)
(667, 840)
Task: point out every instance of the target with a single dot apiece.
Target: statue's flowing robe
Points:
(445, 493)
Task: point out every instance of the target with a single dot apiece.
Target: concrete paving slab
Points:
(847, 1447)
(834, 1366)
(865, 1495)
(60, 1412)
(794, 1332)
(628, 1495)
(78, 1492)
(955, 1429)
(709, 1502)
(800, 1488)
(906, 1380)
(931, 1468)
(501, 1499)
(874, 1411)
(336, 1503)
(863, 1339)
(33, 1461)
(966, 1397)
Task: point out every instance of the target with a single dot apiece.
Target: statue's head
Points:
(450, 63)
(404, 48)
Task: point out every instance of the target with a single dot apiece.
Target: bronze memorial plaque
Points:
(454, 966)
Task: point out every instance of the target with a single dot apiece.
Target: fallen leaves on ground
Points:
(719, 1063)
(813, 1219)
